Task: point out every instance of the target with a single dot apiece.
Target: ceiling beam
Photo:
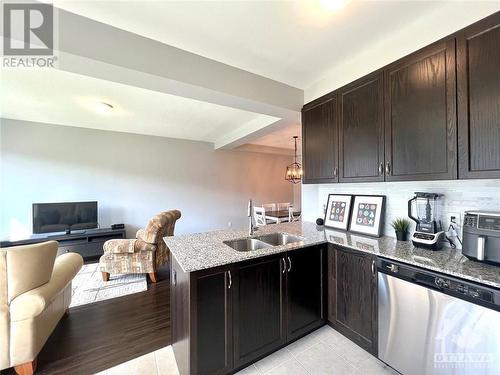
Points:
(91, 48)
(106, 52)
(252, 131)
(110, 45)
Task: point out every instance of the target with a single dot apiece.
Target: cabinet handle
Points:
(388, 168)
(290, 264)
(230, 279)
(373, 267)
(335, 172)
(174, 281)
(381, 169)
(284, 265)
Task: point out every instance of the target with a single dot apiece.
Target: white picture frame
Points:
(367, 215)
(338, 211)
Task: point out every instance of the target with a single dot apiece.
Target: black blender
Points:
(429, 232)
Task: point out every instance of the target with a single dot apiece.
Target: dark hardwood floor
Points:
(104, 334)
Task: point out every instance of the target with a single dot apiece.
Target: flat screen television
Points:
(64, 217)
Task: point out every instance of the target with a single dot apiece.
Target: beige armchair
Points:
(144, 254)
(35, 293)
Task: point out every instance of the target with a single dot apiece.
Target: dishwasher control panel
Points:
(464, 289)
(456, 287)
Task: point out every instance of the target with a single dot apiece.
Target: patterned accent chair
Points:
(144, 254)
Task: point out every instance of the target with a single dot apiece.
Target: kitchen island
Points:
(195, 252)
(230, 308)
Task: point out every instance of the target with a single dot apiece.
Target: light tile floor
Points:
(323, 352)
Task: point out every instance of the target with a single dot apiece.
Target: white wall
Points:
(132, 177)
(459, 196)
(297, 195)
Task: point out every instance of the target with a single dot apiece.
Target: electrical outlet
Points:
(229, 224)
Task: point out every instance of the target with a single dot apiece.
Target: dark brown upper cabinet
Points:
(478, 90)
(420, 115)
(361, 130)
(320, 139)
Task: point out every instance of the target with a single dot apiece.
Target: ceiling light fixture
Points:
(103, 108)
(333, 5)
(294, 171)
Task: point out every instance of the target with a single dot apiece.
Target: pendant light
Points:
(294, 171)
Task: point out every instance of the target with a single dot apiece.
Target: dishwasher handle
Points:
(428, 284)
(408, 273)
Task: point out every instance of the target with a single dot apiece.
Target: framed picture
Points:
(368, 214)
(338, 209)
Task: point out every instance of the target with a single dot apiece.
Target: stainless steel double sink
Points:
(262, 242)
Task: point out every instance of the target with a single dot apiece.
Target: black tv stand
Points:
(88, 243)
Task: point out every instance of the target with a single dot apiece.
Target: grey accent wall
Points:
(459, 196)
(132, 177)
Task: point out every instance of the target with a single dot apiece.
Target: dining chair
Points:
(269, 206)
(291, 216)
(283, 206)
(259, 216)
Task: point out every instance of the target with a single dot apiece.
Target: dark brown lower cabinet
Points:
(201, 310)
(305, 291)
(180, 316)
(227, 317)
(259, 303)
(276, 300)
(352, 296)
(211, 291)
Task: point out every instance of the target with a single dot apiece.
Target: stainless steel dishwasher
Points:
(429, 323)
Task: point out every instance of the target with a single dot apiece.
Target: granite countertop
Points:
(195, 252)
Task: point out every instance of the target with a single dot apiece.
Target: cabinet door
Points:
(180, 316)
(420, 110)
(319, 133)
(212, 324)
(478, 68)
(361, 130)
(259, 321)
(305, 291)
(332, 283)
(353, 293)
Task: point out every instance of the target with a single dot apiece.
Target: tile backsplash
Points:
(459, 196)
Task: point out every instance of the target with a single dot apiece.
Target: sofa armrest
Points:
(119, 246)
(35, 301)
(140, 234)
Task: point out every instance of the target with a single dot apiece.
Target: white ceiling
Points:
(282, 138)
(294, 42)
(58, 97)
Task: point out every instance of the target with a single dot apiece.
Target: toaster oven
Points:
(481, 236)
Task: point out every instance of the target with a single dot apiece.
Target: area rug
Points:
(88, 286)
